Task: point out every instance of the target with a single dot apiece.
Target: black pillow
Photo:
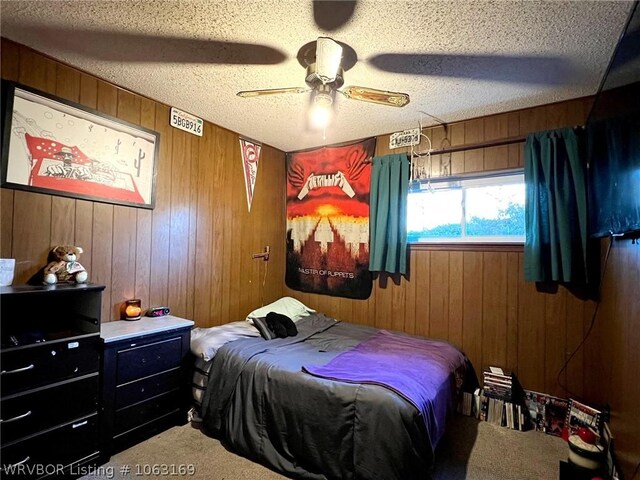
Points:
(275, 325)
(283, 320)
(261, 325)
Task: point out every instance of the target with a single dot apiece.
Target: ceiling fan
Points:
(324, 77)
(329, 16)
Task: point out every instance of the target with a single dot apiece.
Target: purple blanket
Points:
(420, 370)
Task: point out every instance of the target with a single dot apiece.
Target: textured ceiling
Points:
(485, 57)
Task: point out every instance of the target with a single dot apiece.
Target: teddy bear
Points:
(64, 266)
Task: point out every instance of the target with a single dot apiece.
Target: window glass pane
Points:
(495, 211)
(434, 215)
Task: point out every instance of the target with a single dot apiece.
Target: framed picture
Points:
(51, 145)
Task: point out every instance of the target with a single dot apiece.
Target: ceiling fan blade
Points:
(542, 70)
(115, 46)
(271, 91)
(331, 15)
(381, 97)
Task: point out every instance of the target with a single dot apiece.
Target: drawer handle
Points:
(24, 415)
(17, 370)
(79, 424)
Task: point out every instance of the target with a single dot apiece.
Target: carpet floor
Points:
(469, 450)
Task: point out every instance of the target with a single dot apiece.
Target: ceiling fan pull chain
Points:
(422, 160)
(445, 164)
(412, 168)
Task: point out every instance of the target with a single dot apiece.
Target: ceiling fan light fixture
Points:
(321, 110)
(320, 116)
(328, 58)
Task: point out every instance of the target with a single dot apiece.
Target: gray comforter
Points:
(260, 403)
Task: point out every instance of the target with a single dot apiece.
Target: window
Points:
(486, 209)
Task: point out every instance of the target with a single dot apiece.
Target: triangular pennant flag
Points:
(250, 156)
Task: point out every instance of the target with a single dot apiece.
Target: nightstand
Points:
(145, 379)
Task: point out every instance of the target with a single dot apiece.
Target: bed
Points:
(269, 400)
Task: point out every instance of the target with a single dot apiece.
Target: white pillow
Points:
(292, 308)
(205, 342)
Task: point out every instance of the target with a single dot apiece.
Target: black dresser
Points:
(145, 379)
(50, 380)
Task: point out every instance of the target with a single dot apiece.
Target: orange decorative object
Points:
(132, 309)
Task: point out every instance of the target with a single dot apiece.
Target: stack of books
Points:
(498, 384)
(500, 400)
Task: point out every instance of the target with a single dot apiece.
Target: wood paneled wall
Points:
(476, 298)
(193, 251)
(612, 353)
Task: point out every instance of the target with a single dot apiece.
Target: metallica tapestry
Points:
(328, 220)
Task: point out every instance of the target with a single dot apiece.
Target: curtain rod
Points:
(473, 146)
(487, 144)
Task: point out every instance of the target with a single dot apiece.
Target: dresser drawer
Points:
(148, 387)
(144, 360)
(148, 430)
(53, 450)
(141, 413)
(27, 413)
(49, 362)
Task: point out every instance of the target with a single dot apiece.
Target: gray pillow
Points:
(261, 324)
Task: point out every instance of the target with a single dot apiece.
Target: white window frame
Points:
(463, 182)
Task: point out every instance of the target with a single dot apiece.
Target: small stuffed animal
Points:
(64, 267)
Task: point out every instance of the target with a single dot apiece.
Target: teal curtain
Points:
(388, 214)
(555, 208)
